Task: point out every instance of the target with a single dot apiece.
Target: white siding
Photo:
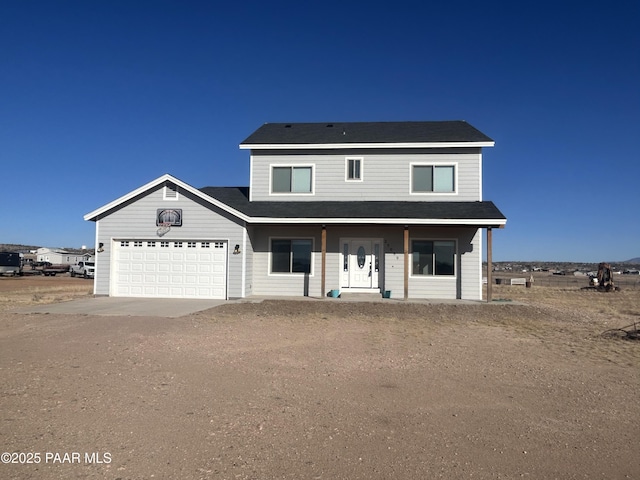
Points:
(136, 220)
(386, 174)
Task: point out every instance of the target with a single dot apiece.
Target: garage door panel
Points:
(169, 270)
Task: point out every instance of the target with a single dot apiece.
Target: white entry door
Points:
(360, 264)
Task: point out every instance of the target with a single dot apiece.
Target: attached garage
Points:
(169, 269)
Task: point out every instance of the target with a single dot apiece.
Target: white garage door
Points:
(169, 269)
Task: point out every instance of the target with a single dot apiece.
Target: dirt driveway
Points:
(323, 390)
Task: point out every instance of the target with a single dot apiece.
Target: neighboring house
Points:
(59, 256)
(356, 207)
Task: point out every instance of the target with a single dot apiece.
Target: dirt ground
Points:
(322, 390)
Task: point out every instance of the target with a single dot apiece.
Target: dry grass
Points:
(623, 304)
(19, 292)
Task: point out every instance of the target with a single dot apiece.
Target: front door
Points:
(360, 264)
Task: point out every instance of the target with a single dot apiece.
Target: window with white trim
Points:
(433, 257)
(285, 179)
(433, 179)
(291, 255)
(353, 169)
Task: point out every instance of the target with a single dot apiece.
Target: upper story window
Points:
(354, 169)
(433, 179)
(292, 179)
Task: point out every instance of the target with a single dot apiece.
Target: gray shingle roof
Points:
(365, 132)
(237, 198)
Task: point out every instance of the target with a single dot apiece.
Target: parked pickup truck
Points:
(51, 269)
(83, 269)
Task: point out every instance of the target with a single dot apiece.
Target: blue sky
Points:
(98, 98)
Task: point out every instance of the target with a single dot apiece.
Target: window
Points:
(433, 179)
(354, 169)
(291, 256)
(433, 257)
(291, 180)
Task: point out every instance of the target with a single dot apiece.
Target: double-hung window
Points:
(291, 179)
(433, 257)
(433, 179)
(291, 256)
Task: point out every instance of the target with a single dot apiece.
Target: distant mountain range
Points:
(633, 260)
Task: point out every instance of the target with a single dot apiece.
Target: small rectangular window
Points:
(124, 243)
(205, 245)
(151, 244)
(177, 244)
(354, 169)
(164, 244)
(137, 244)
(191, 244)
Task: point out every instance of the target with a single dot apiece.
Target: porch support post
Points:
(406, 262)
(489, 263)
(323, 281)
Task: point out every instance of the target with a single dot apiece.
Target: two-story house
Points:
(374, 207)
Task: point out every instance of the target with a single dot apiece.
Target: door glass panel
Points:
(345, 255)
(361, 257)
(376, 253)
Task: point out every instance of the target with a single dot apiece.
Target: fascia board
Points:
(388, 221)
(308, 146)
(154, 183)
